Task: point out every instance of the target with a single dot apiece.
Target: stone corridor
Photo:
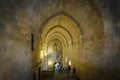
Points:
(39, 35)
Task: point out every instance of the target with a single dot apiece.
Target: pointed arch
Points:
(68, 16)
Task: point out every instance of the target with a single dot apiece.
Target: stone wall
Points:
(97, 59)
(15, 43)
(15, 54)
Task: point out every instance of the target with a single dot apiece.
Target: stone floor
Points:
(58, 76)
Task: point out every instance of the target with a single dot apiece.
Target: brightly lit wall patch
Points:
(70, 63)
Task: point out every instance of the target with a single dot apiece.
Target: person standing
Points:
(68, 72)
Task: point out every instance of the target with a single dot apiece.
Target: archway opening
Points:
(60, 35)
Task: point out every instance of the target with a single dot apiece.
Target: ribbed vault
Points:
(63, 28)
(29, 28)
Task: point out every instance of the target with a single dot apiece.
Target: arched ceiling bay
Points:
(61, 37)
(64, 28)
(60, 31)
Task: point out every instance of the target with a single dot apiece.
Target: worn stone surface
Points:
(96, 22)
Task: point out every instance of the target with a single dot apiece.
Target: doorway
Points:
(39, 73)
(53, 54)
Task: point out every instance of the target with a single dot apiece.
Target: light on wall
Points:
(41, 54)
(49, 63)
(70, 63)
(45, 54)
(66, 59)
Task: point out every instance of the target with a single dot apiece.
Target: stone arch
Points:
(57, 32)
(64, 43)
(66, 15)
(70, 23)
(64, 28)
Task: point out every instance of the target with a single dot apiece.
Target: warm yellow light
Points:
(41, 54)
(45, 54)
(70, 63)
(49, 62)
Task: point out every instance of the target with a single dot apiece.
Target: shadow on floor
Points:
(49, 75)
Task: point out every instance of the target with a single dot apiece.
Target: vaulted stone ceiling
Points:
(89, 31)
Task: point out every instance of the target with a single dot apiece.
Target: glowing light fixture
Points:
(45, 54)
(70, 63)
(41, 54)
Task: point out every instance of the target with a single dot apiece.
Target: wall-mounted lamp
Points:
(70, 63)
(41, 54)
